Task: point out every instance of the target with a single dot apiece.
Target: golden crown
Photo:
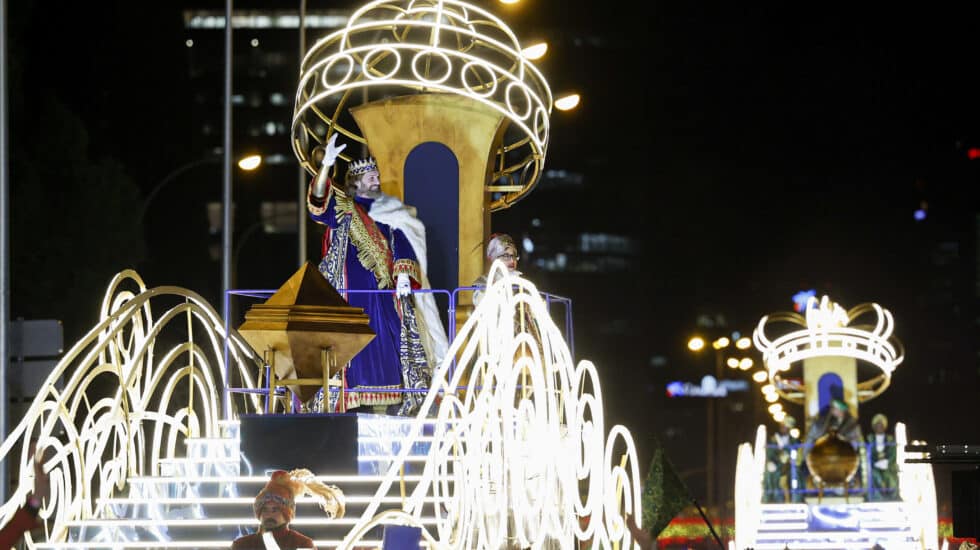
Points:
(363, 166)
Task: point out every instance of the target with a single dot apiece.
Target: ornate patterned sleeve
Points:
(404, 257)
(326, 210)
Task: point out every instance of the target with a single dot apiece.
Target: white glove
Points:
(330, 154)
(404, 285)
(332, 151)
(882, 464)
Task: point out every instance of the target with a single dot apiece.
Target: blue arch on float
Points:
(829, 387)
(432, 187)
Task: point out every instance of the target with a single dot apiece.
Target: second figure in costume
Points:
(783, 458)
(884, 463)
(361, 253)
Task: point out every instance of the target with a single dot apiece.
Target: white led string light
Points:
(519, 441)
(97, 445)
(522, 440)
(829, 330)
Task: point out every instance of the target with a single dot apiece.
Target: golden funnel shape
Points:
(303, 318)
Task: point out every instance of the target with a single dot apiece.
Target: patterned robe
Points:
(362, 254)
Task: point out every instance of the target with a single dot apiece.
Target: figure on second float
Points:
(360, 251)
(838, 418)
(783, 457)
(884, 463)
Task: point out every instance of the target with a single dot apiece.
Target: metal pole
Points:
(712, 435)
(301, 173)
(171, 177)
(4, 243)
(709, 470)
(228, 205)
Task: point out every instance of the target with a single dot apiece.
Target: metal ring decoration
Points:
(462, 38)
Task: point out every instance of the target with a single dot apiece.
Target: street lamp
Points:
(535, 51)
(720, 346)
(567, 102)
(248, 163)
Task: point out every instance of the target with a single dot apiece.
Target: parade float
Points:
(143, 421)
(826, 358)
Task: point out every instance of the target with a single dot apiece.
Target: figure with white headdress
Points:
(884, 463)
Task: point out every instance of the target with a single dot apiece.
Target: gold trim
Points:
(369, 251)
(409, 267)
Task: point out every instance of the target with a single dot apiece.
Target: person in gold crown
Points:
(275, 507)
(370, 243)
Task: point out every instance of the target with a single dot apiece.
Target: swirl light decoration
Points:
(748, 489)
(391, 48)
(829, 330)
(917, 488)
(520, 456)
(135, 386)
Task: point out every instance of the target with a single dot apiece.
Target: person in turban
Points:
(275, 507)
(884, 462)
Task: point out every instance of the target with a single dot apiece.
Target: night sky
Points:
(751, 150)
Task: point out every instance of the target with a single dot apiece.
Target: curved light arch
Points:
(130, 413)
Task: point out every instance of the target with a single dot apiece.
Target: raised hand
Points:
(332, 151)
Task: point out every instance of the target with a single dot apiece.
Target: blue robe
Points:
(362, 254)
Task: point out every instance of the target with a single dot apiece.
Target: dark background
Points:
(747, 151)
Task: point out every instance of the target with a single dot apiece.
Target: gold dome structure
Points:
(392, 49)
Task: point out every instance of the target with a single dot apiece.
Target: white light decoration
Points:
(917, 487)
(829, 330)
(524, 446)
(118, 399)
(749, 467)
(390, 48)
